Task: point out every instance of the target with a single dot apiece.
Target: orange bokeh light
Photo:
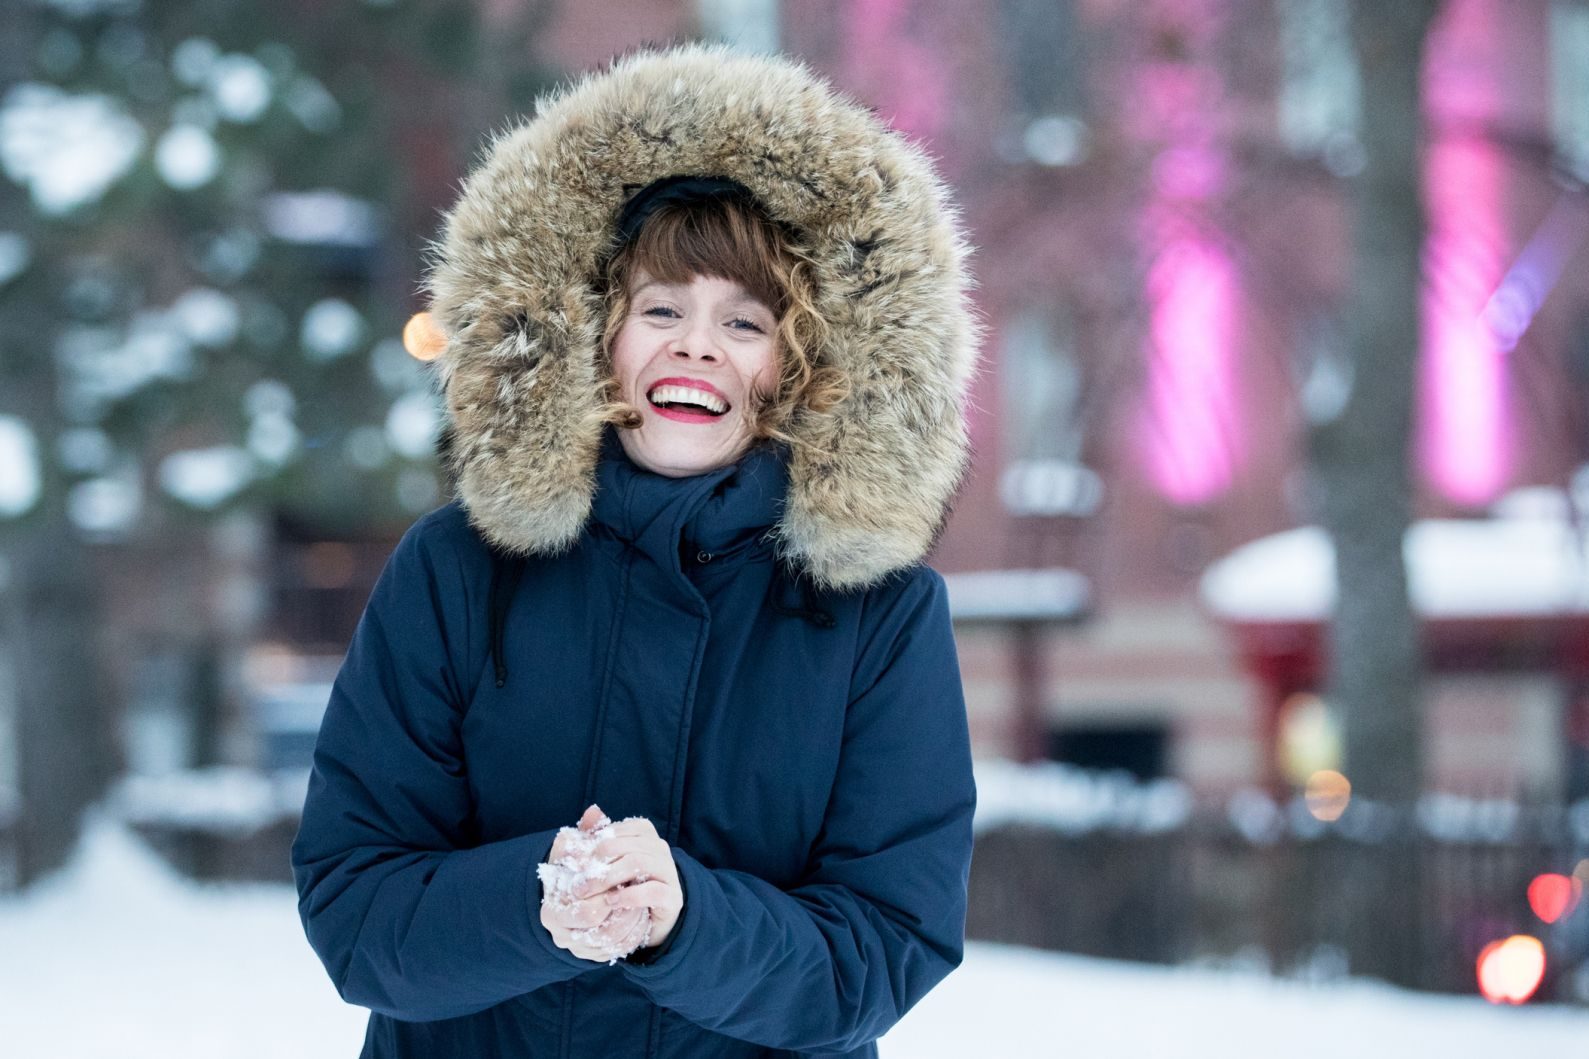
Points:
(1327, 794)
(423, 339)
(1553, 896)
(1511, 969)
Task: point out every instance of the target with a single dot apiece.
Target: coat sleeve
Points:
(409, 920)
(879, 919)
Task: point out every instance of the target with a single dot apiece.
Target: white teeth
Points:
(688, 395)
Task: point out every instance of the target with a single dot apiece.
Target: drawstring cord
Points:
(505, 573)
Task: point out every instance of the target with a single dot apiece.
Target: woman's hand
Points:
(641, 874)
(590, 928)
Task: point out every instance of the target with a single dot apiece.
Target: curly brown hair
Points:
(731, 240)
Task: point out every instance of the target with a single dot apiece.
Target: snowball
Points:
(562, 877)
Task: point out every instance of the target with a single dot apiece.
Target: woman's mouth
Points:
(685, 403)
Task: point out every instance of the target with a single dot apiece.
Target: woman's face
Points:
(692, 357)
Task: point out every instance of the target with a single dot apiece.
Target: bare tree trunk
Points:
(64, 715)
(1361, 460)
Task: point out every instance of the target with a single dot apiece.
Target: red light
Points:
(1553, 896)
(1511, 969)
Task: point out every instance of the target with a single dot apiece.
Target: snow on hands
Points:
(574, 906)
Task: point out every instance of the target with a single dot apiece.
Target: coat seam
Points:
(593, 763)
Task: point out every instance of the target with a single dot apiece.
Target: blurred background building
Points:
(213, 224)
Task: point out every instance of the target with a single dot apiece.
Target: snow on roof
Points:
(1530, 565)
(1075, 801)
(1009, 595)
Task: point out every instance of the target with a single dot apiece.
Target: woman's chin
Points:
(663, 447)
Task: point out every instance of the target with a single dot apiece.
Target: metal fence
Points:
(1211, 889)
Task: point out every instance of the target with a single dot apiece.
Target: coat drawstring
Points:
(505, 573)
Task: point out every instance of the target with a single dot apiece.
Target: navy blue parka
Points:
(814, 782)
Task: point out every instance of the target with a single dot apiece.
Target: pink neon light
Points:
(1190, 433)
(1465, 435)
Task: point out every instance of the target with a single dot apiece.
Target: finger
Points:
(619, 924)
(653, 894)
(592, 818)
(613, 847)
(578, 914)
(630, 867)
(634, 827)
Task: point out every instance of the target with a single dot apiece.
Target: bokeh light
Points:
(1327, 795)
(1553, 896)
(1310, 738)
(1511, 969)
(422, 338)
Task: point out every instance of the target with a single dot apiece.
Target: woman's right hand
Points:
(591, 928)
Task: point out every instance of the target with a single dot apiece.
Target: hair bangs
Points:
(728, 241)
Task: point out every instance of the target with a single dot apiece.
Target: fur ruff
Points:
(513, 283)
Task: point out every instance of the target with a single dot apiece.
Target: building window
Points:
(1139, 747)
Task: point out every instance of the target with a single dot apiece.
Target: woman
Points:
(706, 348)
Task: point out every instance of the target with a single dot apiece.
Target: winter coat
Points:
(755, 658)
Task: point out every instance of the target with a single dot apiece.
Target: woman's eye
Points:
(745, 323)
(661, 311)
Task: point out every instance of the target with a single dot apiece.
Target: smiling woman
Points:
(652, 743)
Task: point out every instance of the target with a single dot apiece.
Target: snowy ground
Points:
(117, 957)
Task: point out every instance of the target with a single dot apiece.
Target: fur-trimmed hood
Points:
(513, 286)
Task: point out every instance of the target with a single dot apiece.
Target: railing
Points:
(1214, 887)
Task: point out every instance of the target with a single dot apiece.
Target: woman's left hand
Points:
(642, 874)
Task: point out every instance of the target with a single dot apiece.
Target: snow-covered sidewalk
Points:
(119, 957)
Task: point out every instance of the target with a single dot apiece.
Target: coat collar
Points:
(727, 512)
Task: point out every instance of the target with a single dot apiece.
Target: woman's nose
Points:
(693, 346)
